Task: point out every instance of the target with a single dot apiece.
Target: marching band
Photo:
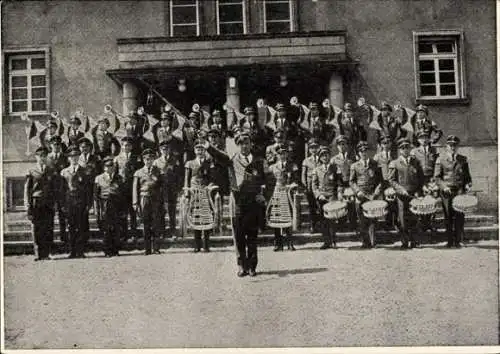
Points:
(141, 172)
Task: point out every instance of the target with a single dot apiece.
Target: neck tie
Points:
(74, 169)
(247, 161)
(42, 167)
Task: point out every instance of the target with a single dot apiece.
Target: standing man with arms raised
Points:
(248, 174)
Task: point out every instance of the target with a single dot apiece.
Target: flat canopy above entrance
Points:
(222, 53)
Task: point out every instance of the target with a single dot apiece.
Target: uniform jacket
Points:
(109, 187)
(426, 124)
(247, 178)
(353, 131)
(92, 167)
(105, 144)
(327, 181)
(391, 128)
(407, 176)
(59, 162)
(171, 171)
(383, 158)
(364, 178)
(220, 173)
(75, 185)
(41, 185)
(199, 174)
(452, 173)
(261, 138)
(74, 136)
(147, 183)
(308, 166)
(126, 167)
(324, 133)
(427, 158)
(343, 164)
(284, 173)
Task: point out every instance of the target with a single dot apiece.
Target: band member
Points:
(426, 155)
(248, 174)
(91, 165)
(280, 121)
(383, 157)
(453, 177)
(390, 127)
(77, 202)
(127, 162)
(163, 130)
(351, 128)
(319, 130)
(279, 139)
(327, 186)
(134, 132)
(366, 182)
(221, 162)
(74, 133)
(171, 172)
(105, 143)
(308, 166)
(199, 173)
(260, 136)
(57, 160)
(343, 160)
(406, 177)
(217, 124)
(190, 134)
(147, 200)
(39, 197)
(48, 134)
(285, 173)
(421, 121)
(109, 205)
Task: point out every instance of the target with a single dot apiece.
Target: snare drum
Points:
(464, 203)
(375, 209)
(335, 210)
(424, 206)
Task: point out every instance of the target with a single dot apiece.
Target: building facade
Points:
(61, 55)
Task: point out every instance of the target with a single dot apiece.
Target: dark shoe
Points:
(325, 246)
(242, 272)
(147, 253)
(72, 256)
(458, 245)
(206, 249)
(413, 244)
(252, 272)
(404, 246)
(156, 252)
(335, 245)
(291, 247)
(196, 249)
(108, 255)
(449, 245)
(81, 256)
(278, 248)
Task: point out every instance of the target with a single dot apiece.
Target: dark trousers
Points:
(151, 212)
(62, 221)
(328, 227)
(111, 226)
(454, 221)
(245, 226)
(408, 222)
(43, 227)
(170, 206)
(366, 226)
(129, 211)
(280, 233)
(198, 239)
(76, 213)
(313, 209)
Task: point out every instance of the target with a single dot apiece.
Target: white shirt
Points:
(247, 158)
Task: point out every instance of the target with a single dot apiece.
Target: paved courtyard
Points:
(343, 297)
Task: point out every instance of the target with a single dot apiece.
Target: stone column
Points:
(130, 92)
(232, 98)
(335, 90)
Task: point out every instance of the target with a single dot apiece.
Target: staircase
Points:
(18, 238)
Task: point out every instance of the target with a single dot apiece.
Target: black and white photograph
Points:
(195, 174)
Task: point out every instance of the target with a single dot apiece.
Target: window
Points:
(278, 16)
(28, 88)
(439, 66)
(184, 18)
(15, 193)
(231, 17)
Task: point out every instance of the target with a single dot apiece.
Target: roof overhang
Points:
(143, 57)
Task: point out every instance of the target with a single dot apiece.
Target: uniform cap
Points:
(248, 110)
(73, 151)
(313, 142)
(313, 105)
(194, 115)
(403, 143)
(348, 107)
(242, 137)
(148, 152)
(41, 151)
(104, 119)
(362, 146)
(384, 139)
(166, 143)
(323, 150)
(214, 132)
(452, 140)
(56, 139)
(84, 141)
(127, 139)
(281, 148)
(199, 143)
(341, 139)
(52, 123)
(166, 115)
(384, 106)
(423, 133)
(280, 107)
(422, 108)
(216, 112)
(108, 161)
(279, 132)
(74, 120)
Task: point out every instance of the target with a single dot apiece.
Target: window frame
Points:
(10, 195)
(459, 60)
(291, 8)
(171, 12)
(244, 16)
(29, 52)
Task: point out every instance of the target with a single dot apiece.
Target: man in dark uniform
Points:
(453, 177)
(221, 161)
(172, 173)
(134, 132)
(248, 174)
(109, 205)
(284, 173)
(190, 134)
(127, 162)
(318, 128)
(48, 134)
(39, 197)
(147, 200)
(390, 127)
(105, 143)
(199, 173)
(280, 120)
(351, 128)
(406, 177)
(421, 121)
(383, 157)
(77, 202)
(260, 136)
(426, 154)
(57, 160)
(279, 139)
(366, 182)
(327, 186)
(91, 165)
(74, 133)
(308, 166)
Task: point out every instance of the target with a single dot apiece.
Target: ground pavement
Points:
(343, 297)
